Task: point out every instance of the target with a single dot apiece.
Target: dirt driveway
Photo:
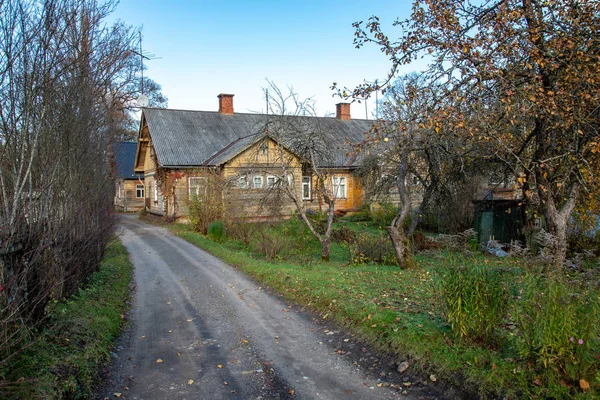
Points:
(199, 329)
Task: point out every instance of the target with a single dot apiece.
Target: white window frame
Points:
(257, 182)
(340, 187)
(243, 182)
(194, 188)
(139, 188)
(155, 191)
(306, 182)
(118, 190)
(273, 183)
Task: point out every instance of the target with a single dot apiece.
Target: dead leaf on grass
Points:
(584, 385)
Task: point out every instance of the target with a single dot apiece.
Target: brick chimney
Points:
(342, 111)
(226, 103)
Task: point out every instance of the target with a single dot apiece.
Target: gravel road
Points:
(200, 329)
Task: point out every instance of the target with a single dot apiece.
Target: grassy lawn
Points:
(402, 310)
(65, 358)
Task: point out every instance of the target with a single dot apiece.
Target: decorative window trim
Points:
(306, 182)
(257, 182)
(271, 181)
(340, 187)
(195, 188)
(140, 191)
(243, 182)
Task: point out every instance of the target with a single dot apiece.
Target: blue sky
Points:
(212, 47)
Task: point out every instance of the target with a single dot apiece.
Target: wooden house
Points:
(129, 186)
(236, 159)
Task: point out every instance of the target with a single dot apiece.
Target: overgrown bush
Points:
(363, 215)
(474, 301)
(383, 214)
(559, 328)
(241, 231)
(303, 244)
(270, 243)
(343, 234)
(204, 211)
(368, 248)
(216, 231)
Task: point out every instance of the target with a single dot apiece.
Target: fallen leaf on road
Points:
(190, 320)
(247, 372)
(159, 361)
(346, 340)
(170, 330)
(190, 381)
(244, 341)
(284, 310)
(117, 394)
(168, 302)
(219, 366)
(292, 391)
(178, 354)
(143, 337)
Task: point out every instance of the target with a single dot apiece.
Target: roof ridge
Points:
(253, 113)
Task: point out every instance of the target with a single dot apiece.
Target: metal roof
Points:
(124, 153)
(196, 138)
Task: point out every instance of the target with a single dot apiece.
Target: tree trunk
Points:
(325, 248)
(557, 220)
(401, 246)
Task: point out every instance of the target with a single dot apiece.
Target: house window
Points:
(139, 191)
(243, 182)
(339, 186)
(258, 182)
(271, 181)
(197, 186)
(306, 188)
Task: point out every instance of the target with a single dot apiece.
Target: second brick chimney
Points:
(225, 103)
(342, 111)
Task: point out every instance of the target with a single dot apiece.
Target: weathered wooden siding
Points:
(263, 162)
(127, 201)
(353, 199)
(154, 199)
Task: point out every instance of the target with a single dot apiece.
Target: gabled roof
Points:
(204, 138)
(124, 153)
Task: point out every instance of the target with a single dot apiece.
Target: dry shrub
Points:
(368, 248)
(269, 243)
(343, 234)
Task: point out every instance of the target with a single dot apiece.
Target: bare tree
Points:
(64, 76)
(300, 138)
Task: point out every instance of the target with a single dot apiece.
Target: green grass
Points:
(65, 358)
(401, 311)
